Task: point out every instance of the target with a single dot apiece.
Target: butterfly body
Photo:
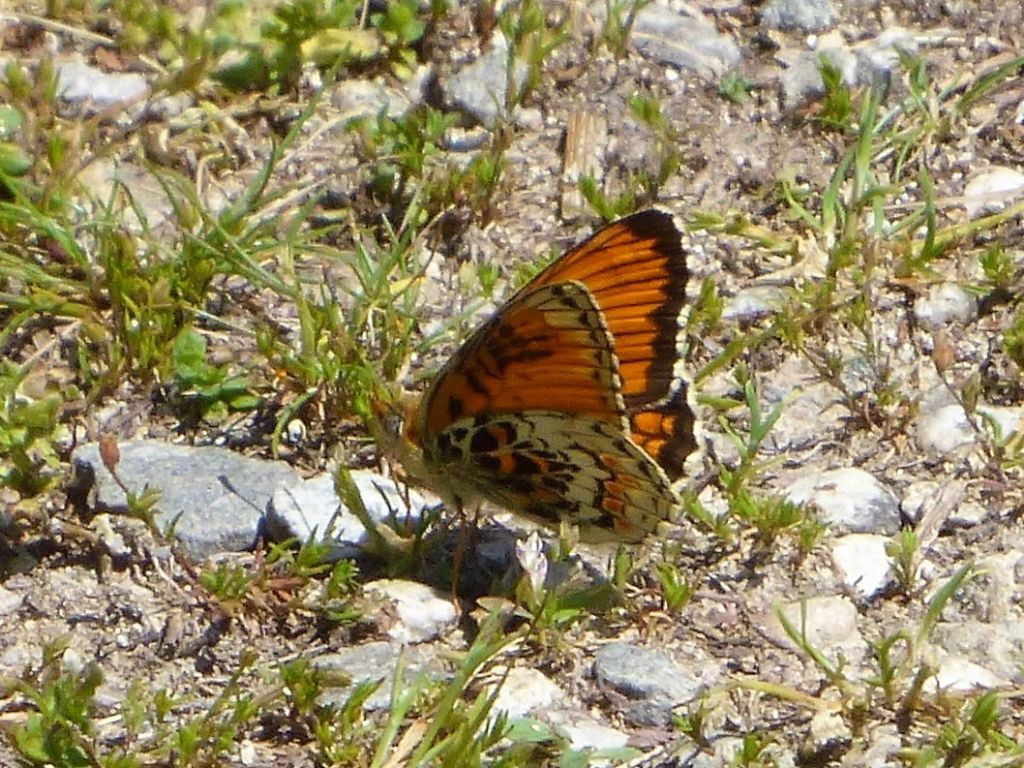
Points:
(565, 404)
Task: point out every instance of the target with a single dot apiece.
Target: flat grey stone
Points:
(14, 661)
(944, 429)
(917, 497)
(809, 406)
(688, 41)
(881, 749)
(377, 662)
(863, 563)
(943, 304)
(879, 56)
(802, 80)
(480, 90)
(525, 690)
(303, 508)
(828, 623)
(849, 499)
(103, 175)
(1001, 420)
(9, 601)
(967, 515)
(992, 189)
(997, 646)
(217, 496)
(78, 82)
(651, 681)
(829, 727)
(753, 302)
(804, 15)
(956, 673)
(584, 732)
(420, 613)
(356, 99)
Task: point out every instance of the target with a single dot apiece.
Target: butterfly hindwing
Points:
(552, 466)
(667, 431)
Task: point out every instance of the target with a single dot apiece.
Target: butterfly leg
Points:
(460, 551)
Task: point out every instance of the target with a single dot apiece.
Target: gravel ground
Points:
(882, 445)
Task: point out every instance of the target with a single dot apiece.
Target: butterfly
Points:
(565, 404)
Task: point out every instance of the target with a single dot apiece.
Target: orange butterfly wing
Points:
(565, 404)
(636, 271)
(635, 268)
(529, 414)
(547, 348)
(667, 431)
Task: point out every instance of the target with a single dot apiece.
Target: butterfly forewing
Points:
(636, 271)
(549, 345)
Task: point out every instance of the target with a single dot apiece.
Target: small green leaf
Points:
(14, 161)
(11, 121)
(189, 349)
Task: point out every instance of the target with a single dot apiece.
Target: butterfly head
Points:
(395, 428)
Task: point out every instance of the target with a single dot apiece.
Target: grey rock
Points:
(357, 99)
(955, 673)
(992, 189)
(945, 303)
(867, 63)
(217, 497)
(804, 15)
(877, 57)
(1001, 421)
(863, 563)
(525, 690)
(78, 82)
(9, 601)
(849, 499)
(944, 429)
(154, 207)
(753, 302)
(14, 661)
(828, 727)
(802, 80)
(992, 596)
(303, 508)
(170, 106)
(112, 539)
(881, 747)
(585, 733)
(858, 375)
(828, 623)
(295, 432)
(649, 679)
(481, 90)
(687, 40)
(967, 515)
(377, 662)
(998, 647)
(420, 613)
(917, 497)
(466, 140)
(72, 661)
(807, 404)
